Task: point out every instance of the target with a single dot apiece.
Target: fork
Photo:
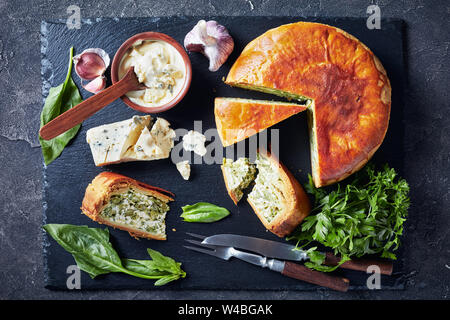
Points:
(286, 268)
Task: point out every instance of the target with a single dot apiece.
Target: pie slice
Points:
(127, 204)
(277, 198)
(348, 88)
(237, 119)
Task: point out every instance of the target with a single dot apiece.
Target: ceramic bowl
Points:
(152, 36)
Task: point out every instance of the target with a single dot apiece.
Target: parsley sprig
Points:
(363, 217)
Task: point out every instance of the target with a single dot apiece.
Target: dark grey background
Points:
(426, 258)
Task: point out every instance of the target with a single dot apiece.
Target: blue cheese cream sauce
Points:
(159, 66)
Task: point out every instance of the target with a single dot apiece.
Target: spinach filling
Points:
(266, 194)
(240, 173)
(280, 93)
(137, 210)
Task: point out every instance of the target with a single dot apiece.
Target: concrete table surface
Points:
(427, 142)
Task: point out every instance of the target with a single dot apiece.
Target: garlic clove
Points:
(96, 85)
(213, 40)
(91, 63)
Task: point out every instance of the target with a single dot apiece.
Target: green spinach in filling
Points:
(266, 194)
(240, 174)
(137, 210)
(280, 93)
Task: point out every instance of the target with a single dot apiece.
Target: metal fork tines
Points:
(289, 269)
(218, 251)
(195, 235)
(225, 253)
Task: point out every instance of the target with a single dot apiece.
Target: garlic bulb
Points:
(91, 64)
(213, 40)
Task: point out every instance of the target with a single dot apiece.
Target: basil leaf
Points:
(161, 267)
(167, 279)
(88, 246)
(59, 100)
(163, 263)
(89, 267)
(203, 212)
(144, 267)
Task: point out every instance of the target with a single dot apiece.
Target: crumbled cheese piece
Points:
(155, 143)
(194, 141)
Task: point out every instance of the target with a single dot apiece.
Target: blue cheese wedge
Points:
(194, 141)
(184, 169)
(156, 143)
(110, 142)
(134, 139)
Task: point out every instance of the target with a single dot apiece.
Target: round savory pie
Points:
(347, 86)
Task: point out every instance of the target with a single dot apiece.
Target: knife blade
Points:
(286, 268)
(267, 248)
(274, 249)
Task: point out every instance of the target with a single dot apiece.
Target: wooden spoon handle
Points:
(303, 273)
(359, 264)
(88, 107)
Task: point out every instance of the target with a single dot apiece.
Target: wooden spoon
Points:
(88, 107)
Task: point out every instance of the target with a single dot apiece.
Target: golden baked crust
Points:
(348, 84)
(238, 119)
(295, 202)
(104, 185)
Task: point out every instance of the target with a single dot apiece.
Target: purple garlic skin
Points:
(213, 40)
(96, 85)
(90, 65)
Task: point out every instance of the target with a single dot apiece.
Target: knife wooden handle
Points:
(359, 264)
(303, 273)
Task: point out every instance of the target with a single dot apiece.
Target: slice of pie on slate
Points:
(348, 87)
(238, 119)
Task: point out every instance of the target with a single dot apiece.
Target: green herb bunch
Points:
(363, 217)
(95, 255)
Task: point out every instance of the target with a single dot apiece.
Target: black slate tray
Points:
(67, 177)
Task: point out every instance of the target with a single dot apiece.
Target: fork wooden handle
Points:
(303, 273)
(359, 264)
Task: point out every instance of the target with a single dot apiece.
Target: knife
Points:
(286, 268)
(274, 249)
